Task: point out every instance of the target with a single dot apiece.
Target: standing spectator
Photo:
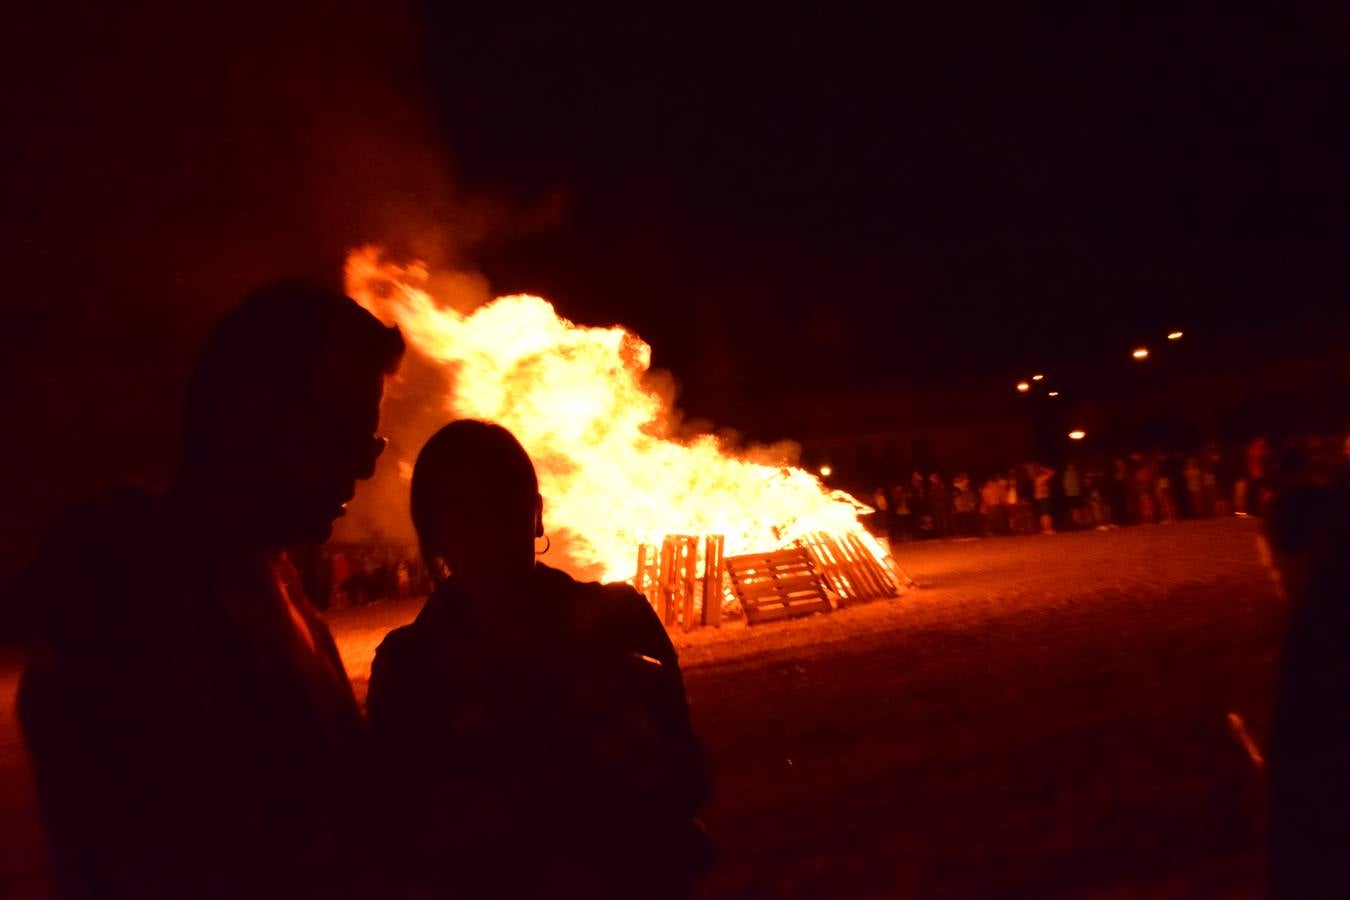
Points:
(940, 506)
(904, 517)
(919, 505)
(1026, 489)
(1144, 497)
(1121, 491)
(964, 504)
(403, 577)
(1096, 486)
(1258, 462)
(1073, 494)
(881, 519)
(1225, 481)
(1041, 476)
(1194, 476)
(1012, 502)
(992, 496)
(1162, 486)
(341, 578)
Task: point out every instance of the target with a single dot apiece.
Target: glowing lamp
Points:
(1140, 353)
(826, 471)
(1077, 434)
(1023, 386)
(1175, 336)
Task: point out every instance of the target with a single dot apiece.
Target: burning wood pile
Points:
(716, 529)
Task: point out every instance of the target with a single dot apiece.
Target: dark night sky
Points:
(916, 193)
(920, 193)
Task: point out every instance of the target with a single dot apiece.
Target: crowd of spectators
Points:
(338, 576)
(1099, 491)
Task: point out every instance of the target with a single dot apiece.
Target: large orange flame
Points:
(611, 472)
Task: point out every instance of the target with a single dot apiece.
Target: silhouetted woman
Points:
(532, 730)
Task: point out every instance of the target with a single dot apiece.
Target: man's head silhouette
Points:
(282, 410)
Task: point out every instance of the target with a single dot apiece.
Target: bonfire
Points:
(616, 474)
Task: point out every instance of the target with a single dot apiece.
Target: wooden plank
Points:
(666, 607)
(712, 580)
(780, 588)
(688, 580)
(793, 568)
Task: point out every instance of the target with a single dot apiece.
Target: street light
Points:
(1053, 394)
(1175, 335)
(1077, 434)
(1037, 377)
(1140, 353)
(1023, 387)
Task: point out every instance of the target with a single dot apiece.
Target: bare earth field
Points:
(1045, 717)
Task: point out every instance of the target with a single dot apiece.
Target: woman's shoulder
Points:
(397, 653)
(603, 606)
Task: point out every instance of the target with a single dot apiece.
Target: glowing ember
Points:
(1023, 386)
(1077, 434)
(611, 470)
(1140, 353)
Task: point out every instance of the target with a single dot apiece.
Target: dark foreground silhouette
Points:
(1308, 533)
(533, 729)
(192, 729)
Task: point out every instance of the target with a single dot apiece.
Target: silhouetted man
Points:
(190, 721)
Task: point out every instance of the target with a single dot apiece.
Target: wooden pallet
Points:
(670, 581)
(779, 585)
(849, 569)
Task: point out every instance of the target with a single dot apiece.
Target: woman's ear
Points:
(538, 516)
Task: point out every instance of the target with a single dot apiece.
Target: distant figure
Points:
(964, 503)
(1308, 534)
(920, 506)
(940, 506)
(189, 720)
(881, 519)
(1145, 491)
(992, 496)
(1164, 487)
(1011, 505)
(532, 730)
(1073, 495)
(1041, 477)
(1224, 480)
(1096, 487)
(1119, 493)
(902, 514)
(1194, 476)
(1251, 492)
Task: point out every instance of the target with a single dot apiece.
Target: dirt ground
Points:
(1045, 717)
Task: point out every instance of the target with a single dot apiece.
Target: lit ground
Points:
(1045, 718)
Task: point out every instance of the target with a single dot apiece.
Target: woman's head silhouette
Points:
(475, 502)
